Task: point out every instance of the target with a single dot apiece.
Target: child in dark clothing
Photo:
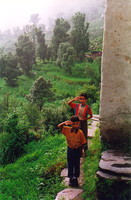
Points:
(82, 110)
(75, 141)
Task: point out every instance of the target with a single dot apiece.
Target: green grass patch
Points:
(35, 175)
(91, 166)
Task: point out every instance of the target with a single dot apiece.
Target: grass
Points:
(90, 167)
(35, 175)
(64, 85)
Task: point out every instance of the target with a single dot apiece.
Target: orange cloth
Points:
(74, 140)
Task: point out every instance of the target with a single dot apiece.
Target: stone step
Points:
(69, 194)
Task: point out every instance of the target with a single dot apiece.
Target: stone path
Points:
(75, 193)
(93, 126)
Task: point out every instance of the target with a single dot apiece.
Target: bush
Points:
(53, 116)
(33, 114)
(13, 139)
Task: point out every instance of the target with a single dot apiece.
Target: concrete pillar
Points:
(115, 107)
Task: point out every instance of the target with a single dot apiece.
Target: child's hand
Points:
(68, 122)
(76, 98)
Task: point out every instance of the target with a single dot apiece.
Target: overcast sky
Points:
(17, 12)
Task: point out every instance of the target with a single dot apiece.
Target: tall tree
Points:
(66, 56)
(42, 48)
(59, 34)
(34, 19)
(30, 30)
(79, 34)
(9, 69)
(25, 51)
(40, 92)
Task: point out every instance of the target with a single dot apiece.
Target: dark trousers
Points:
(73, 160)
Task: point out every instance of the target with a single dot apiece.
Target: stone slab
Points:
(69, 194)
(112, 177)
(115, 161)
(92, 128)
(64, 172)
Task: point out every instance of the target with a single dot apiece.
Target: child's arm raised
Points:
(75, 99)
(64, 123)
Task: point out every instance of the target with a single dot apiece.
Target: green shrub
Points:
(13, 139)
(33, 115)
(53, 116)
(90, 168)
(36, 174)
(108, 189)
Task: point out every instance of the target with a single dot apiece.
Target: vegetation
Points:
(79, 35)
(9, 69)
(25, 51)
(40, 92)
(42, 47)
(46, 74)
(66, 57)
(60, 34)
(91, 166)
(36, 174)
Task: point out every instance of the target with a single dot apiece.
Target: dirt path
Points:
(75, 193)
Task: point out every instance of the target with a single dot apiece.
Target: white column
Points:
(115, 108)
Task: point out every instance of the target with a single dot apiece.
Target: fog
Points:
(15, 13)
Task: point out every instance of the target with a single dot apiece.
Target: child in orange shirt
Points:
(75, 141)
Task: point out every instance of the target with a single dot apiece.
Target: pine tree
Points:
(79, 34)
(9, 69)
(66, 57)
(40, 92)
(42, 48)
(25, 51)
(60, 34)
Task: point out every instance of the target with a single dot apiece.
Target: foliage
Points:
(33, 115)
(60, 34)
(79, 34)
(40, 92)
(66, 56)
(42, 48)
(53, 116)
(30, 31)
(34, 19)
(91, 166)
(94, 75)
(25, 51)
(96, 34)
(36, 174)
(49, 53)
(13, 139)
(9, 69)
(111, 189)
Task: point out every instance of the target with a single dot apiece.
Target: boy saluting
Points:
(75, 142)
(83, 111)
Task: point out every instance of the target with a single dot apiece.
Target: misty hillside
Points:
(94, 15)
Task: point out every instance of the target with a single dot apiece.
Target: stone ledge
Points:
(112, 177)
(116, 162)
